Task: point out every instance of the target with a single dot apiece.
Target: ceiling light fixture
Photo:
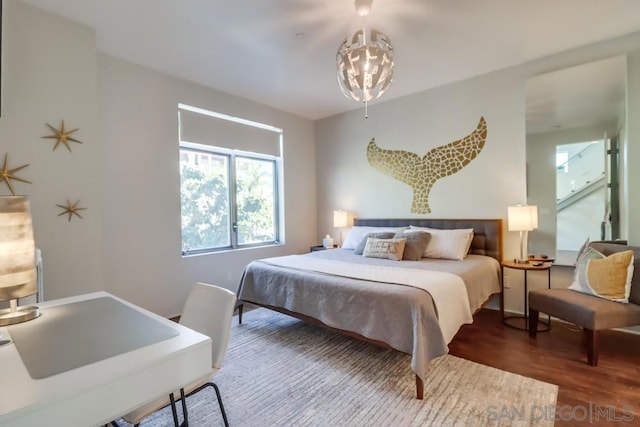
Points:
(365, 62)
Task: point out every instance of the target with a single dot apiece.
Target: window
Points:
(230, 197)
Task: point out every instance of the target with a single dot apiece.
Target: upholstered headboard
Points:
(487, 233)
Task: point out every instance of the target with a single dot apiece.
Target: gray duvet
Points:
(402, 316)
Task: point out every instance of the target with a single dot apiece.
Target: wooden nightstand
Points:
(546, 264)
(320, 248)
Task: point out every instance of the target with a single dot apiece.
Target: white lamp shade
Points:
(17, 249)
(522, 217)
(340, 219)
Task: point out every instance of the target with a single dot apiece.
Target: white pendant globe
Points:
(365, 66)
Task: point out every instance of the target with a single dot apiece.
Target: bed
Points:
(415, 307)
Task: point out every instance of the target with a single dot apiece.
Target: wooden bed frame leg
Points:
(419, 388)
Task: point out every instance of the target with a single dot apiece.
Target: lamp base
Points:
(21, 314)
(521, 261)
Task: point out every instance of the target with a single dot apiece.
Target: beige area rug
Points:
(279, 371)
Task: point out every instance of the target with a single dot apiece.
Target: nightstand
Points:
(515, 321)
(320, 248)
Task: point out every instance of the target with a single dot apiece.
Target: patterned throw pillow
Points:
(384, 248)
(603, 276)
(417, 242)
(378, 235)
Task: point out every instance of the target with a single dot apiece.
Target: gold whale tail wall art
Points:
(422, 172)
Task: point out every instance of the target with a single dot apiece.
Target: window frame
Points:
(232, 155)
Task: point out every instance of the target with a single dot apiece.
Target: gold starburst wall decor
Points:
(7, 174)
(62, 136)
(71, 209)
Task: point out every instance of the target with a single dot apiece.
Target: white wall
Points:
(143, 262)
(126, 172)
(417, 123)
(50, 74)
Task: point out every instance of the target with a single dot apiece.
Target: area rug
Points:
(279, 371)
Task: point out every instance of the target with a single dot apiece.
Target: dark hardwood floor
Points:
(606, 395)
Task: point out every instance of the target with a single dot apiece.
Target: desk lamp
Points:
(522, 218)
(17, 259)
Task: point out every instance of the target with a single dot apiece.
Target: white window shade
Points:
(221, 132)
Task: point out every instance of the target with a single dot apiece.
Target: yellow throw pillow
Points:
(608, 276)
(604, 276)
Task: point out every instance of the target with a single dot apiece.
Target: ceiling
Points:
(591, 94)
(282, 52)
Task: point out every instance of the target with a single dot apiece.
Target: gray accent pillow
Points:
(359, 249)
(417, 242)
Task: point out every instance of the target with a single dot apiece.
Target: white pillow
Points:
(446, 244)
(357, 234)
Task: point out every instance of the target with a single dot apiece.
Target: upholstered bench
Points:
(592, 313)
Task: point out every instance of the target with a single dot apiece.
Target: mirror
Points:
(575, 121)
(582, 199)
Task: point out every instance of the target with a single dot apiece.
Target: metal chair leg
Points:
(185, 415)
(240, 308)
(174, 411)
(218, 396)
(224, 414)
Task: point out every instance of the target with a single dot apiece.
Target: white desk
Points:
(99, 392)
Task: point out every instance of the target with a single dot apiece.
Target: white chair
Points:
(208, 310)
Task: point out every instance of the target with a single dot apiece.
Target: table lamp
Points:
(522, 218)
(17, 259)
(340, 221)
